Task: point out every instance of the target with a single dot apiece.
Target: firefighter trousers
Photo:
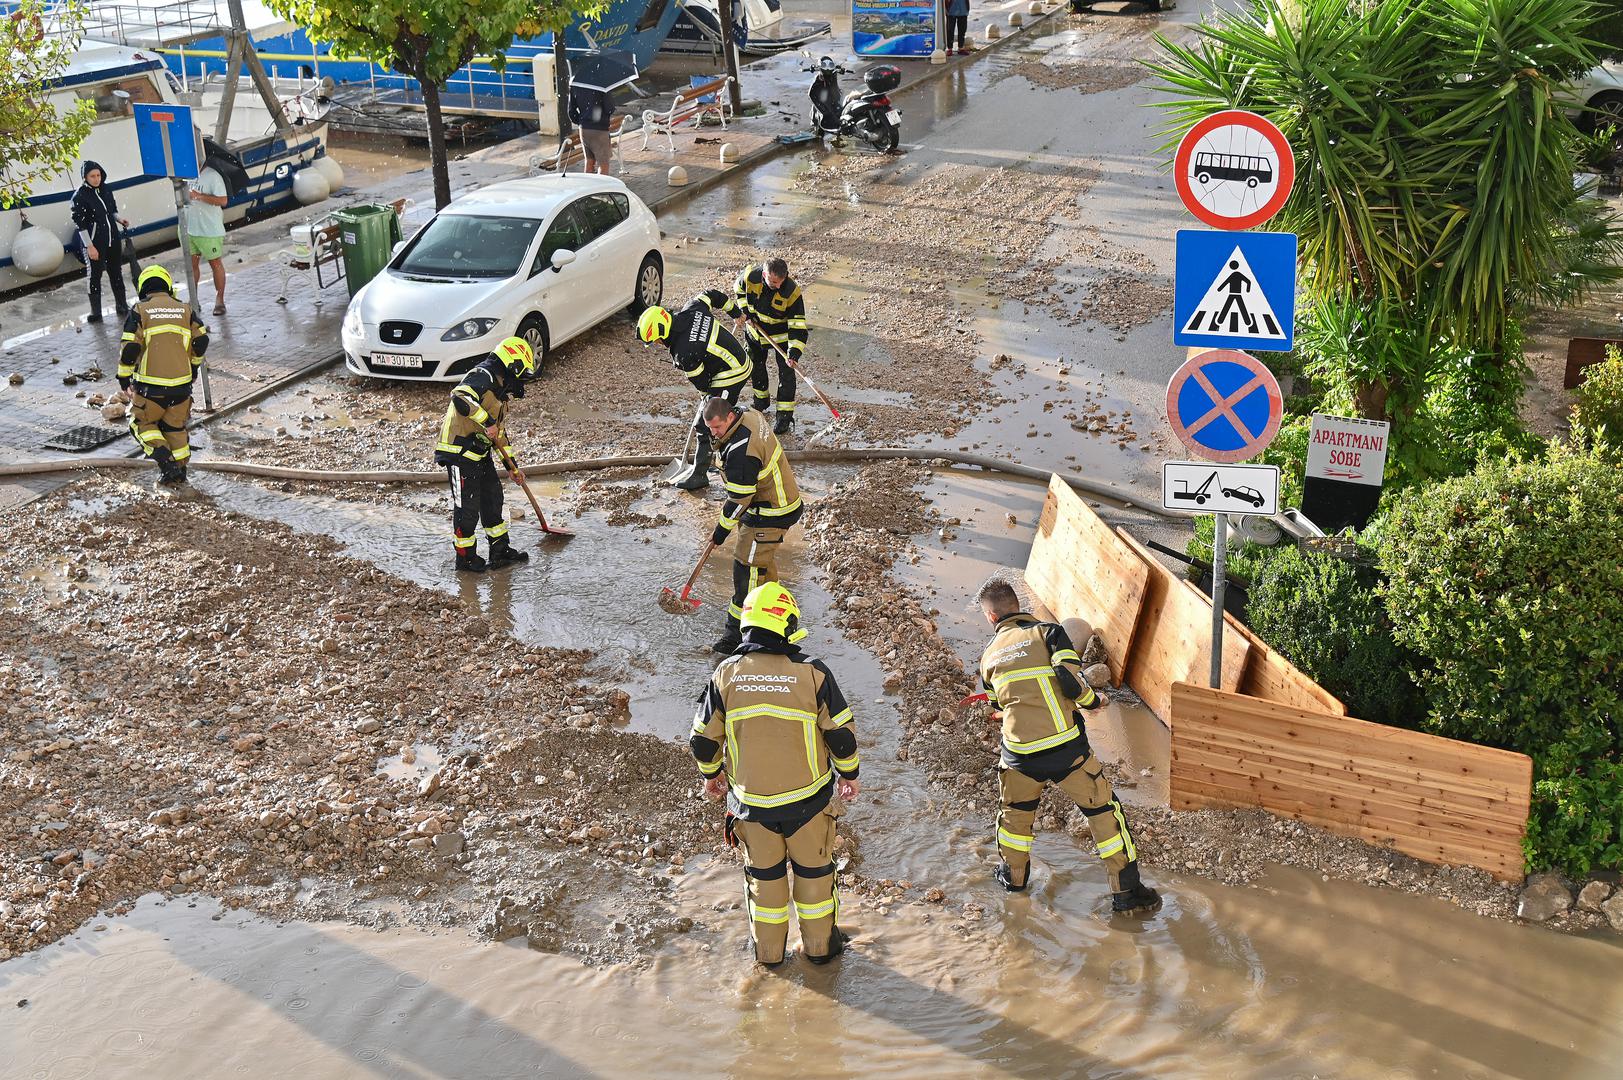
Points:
(476, 498)
(1085, 783)
(761, 353)
(772, 852)
(755, 562)
(160, 421)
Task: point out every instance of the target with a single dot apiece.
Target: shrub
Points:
(1577, 822)
(1508, 582)
(1599, 409)
(1326, 617)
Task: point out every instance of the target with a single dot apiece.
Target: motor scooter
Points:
(867, 114)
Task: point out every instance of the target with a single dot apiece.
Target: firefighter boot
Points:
(784, 424)
(697, 478)
(168, 471)
(1134, 896)
(836, 946)
(503, 553)
(729, 641)
(1006, 879)
(470, 560)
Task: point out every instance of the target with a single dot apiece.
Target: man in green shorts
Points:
(205, 228)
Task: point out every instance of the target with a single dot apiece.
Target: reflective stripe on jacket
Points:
(167, 333)
(776, 722)
(1033, 674)
(757, 475)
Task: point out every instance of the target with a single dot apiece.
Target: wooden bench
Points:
(685, 107)
(322, 257)
(571, 150)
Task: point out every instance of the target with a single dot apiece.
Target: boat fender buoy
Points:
(310, 186)
(37, 252)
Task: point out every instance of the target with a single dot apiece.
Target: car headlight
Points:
(469, 328)
(352, 322)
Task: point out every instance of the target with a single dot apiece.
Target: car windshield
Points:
(467, 246)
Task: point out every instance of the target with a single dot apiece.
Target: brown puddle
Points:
(1299, 979)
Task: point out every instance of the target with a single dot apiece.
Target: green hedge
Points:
(1326, 617)
(1509, 583)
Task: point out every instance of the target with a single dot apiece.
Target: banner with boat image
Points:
(893, 27)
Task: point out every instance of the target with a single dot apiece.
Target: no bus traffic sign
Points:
(1234, 170)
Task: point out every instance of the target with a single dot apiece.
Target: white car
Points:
(1599, 96)
(544, 259)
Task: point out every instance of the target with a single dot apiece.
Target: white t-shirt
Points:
(201, 218)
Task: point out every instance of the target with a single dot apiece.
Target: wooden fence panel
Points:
(1174, 639)
(1270, 676)
(1078, 567)
(1436, 799)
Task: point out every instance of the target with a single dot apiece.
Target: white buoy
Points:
(993, 31)
(729, 153)
(328, 166)
(37, 252)
(677, 177)
(310, 186)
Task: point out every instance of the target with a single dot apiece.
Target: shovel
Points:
(681, 465)
(685, 601)
(795, 364)
(548, 530)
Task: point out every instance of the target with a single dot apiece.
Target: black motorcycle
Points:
(867, 114)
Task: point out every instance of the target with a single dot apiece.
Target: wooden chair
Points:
(685, 107)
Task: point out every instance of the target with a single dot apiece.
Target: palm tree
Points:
(1434, 197)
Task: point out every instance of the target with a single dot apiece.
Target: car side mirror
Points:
(562, 258)
(395, 251)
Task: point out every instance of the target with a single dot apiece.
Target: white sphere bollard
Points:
(993, 31)
(729, 153)
(1016, 20)
(328, 166)
(677, 177)
(310, 186)
(37, 252)
(1036, 7)
(938, 57)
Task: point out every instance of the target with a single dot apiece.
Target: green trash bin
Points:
(368, 234)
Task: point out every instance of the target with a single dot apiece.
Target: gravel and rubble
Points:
(214, 707)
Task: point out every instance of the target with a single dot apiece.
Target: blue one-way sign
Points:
(167, 141)
(1235, 290)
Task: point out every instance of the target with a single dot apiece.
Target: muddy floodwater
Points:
(1299, 979)
(1297, 976)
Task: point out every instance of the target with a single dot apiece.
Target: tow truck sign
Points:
(1201, 487)
(1347, 449)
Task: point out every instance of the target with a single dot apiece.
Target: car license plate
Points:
(894, 117)
(385, 359)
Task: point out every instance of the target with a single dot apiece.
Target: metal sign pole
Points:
(1220, 553)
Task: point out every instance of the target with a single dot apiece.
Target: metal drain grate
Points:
(85, 437)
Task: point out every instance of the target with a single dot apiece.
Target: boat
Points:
(274, 144)
(759, 28)
(291, 57)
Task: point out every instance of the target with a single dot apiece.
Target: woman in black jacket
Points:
(95, 215)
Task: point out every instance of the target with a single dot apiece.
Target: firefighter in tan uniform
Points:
(472, 434)
(767, 310)
(774, 732)
(163, 345)
(761, 497)
(1034, 675)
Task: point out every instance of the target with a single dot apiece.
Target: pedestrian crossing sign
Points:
(1235, 290)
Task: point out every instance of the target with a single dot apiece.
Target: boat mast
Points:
(240, 50)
